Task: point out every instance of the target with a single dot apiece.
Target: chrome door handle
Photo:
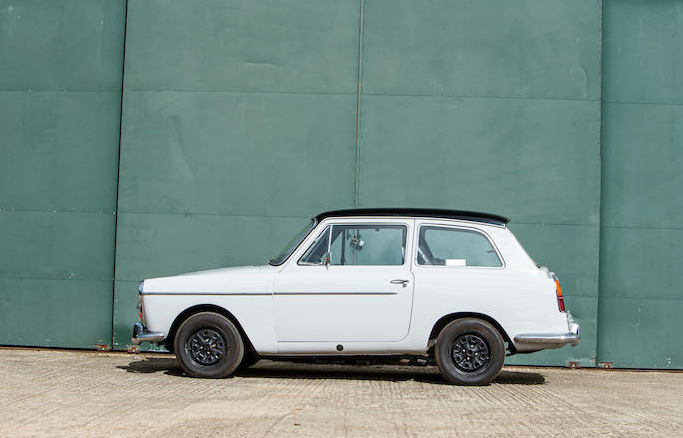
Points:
(403, 282)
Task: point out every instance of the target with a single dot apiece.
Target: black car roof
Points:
(472, 216)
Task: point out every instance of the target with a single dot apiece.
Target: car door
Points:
(353, 283)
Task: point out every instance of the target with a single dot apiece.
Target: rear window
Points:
(446, 246)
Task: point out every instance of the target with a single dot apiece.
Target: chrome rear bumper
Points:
(571, 337)
(140, 334)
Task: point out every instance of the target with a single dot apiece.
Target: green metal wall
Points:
(241, 119)
(641, 300)
(238, 124)
(471, 105)
(60, 107)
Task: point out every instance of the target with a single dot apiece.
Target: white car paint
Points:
(297, 309)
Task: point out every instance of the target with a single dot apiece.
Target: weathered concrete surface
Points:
(73, 394)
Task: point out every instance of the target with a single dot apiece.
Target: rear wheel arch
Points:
(182, 316)
(447, 319)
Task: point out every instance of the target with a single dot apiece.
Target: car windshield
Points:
(292, 244)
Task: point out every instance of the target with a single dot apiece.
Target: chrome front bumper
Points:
(140, 334)
(553, 340)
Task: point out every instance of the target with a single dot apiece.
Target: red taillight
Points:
(560, 297)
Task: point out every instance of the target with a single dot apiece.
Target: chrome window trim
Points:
(350, 221)
(418, 227)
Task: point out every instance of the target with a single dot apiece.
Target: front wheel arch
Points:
(177, 322)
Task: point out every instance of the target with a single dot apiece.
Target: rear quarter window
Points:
(446, 246)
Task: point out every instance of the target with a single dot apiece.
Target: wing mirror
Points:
(357, 243)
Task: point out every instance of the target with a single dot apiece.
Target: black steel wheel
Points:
(208, 345)
(469, 351)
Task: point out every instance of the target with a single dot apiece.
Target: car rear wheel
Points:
(208, 345)
(469, 351)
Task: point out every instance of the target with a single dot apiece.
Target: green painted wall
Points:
(641, 301)
(238, 124)
(241, 119)
(60, 106)
(453, 118)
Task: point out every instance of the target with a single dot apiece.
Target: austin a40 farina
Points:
(454, 286)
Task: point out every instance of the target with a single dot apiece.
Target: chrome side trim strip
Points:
(268, 293)
(207, 293)
(335, 293)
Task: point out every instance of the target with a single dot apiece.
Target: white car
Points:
(454, 286)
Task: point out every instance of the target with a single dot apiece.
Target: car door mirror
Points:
(357, 243)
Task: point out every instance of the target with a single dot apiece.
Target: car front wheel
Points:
(208, 345)
(469, 351)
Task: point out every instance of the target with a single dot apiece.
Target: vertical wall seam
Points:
(600, 204)
(118, 171)
(359, 90)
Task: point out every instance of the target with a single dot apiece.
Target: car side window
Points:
(358, 245)
(445, 246)
(368, 245)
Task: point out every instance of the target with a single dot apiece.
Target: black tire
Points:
(208, 345)
(469, 351)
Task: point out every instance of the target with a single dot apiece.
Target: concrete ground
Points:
(87, 394)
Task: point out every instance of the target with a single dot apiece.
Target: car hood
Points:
(240, 279)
